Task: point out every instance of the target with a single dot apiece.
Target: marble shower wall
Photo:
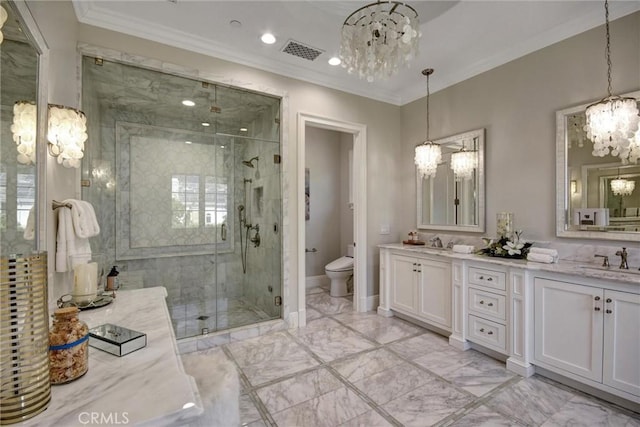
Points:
(194, 276)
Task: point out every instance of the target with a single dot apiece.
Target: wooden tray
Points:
(413, 242)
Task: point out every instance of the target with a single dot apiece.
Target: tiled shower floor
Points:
(361, 369)
(215, 314)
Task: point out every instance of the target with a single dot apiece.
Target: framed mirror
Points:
(596, 197)
(23, 59)
(454, 201)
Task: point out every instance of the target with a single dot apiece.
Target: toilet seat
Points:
(344, 263)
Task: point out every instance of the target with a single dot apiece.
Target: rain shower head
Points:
(249, 163)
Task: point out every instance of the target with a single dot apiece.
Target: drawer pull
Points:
(481, 301)
(597, 309)
(490, 279)
(481, 329)
(490, 333)
(490, 304)
(481, 277)
(608, 311)
(597, 298)
(608, 300)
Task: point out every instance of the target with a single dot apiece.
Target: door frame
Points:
(359, 133)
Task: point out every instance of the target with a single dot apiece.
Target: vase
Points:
(504, 224)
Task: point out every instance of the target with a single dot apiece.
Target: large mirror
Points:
(22, 95)
(454, 201)
(597, 197)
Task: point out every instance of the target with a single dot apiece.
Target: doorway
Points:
(358, 132)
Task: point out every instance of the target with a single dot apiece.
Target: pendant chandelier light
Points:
(622, 187)
(428, 154)
(379, 38)
(463, 164)
(612, 123)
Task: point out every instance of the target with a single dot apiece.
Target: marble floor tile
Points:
(313, 314)
(368, 419)
(316, 290)
(327, 304)
(330, 410)
(391, 383)
(583, 411)
(415, 347)
(446, 360)
(378, 328)
(332, 342)
(248, 411)
(293, 391)
(427, 404)
(480, 376)
(531, 400)
(270, 356)
(485, 417)
(364, 365)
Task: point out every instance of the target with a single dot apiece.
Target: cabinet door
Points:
(434, 292)
(403, 283)
(568, 327)
(622, 341)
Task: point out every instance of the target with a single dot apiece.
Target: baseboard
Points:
(297, 319)
(317, 281)
(384, 312)
(459, 343)
(520, 368)
(371, 303)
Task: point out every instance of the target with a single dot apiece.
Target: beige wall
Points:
(516, 104)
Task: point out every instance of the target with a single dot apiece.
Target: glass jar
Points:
(68, 346)
(504, 224)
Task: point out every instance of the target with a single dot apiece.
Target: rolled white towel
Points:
(463, 249)
(538, 257)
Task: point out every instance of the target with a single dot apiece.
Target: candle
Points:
(85, 282)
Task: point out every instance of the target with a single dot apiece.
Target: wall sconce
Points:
(24, 131)
(67, 132)
(574, 186)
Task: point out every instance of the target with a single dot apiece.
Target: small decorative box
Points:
(116, 339)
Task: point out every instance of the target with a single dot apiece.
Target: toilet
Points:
(339, 271)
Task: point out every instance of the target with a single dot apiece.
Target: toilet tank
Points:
(350, 250)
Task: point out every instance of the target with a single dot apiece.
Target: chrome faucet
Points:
(436, 242)
(605, 260)
(623, 258)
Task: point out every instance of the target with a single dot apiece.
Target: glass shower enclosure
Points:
(185, 178)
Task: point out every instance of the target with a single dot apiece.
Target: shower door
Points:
(167, 177)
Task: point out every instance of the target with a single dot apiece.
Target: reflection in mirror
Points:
(18, 83)
(597, 197)
(454, 201)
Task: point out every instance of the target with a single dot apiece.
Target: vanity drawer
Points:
(488, 333)
(487, 303)
(488, 278)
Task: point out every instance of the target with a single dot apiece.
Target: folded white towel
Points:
(463, 249)
(537, 257)
(30, 228)
(68, 244)
(546, 251)
(84, 218)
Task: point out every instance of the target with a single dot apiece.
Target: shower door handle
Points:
(223, 232)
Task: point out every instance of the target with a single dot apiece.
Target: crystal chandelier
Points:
(622, 187)
(428, 154)
(613, 121)
(463, 164)
(24, 131)
(379, 38)
(66, 134)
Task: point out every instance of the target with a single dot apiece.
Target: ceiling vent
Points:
(301, 50)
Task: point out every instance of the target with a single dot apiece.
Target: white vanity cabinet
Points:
(420, 286)
(589, 331)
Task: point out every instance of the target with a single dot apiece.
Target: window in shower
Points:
(185, 201)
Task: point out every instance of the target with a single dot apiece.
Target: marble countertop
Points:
(146, 387)
(590, 270)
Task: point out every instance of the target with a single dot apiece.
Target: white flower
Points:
(513, 248)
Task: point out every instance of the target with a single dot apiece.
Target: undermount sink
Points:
(610, 269)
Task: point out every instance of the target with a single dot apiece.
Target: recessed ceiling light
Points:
(188, 142)
(243, 129)
(205, 124)
(335, 61)
(268, 38)
(188, 103)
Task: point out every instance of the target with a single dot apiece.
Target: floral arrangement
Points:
(506, 247)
